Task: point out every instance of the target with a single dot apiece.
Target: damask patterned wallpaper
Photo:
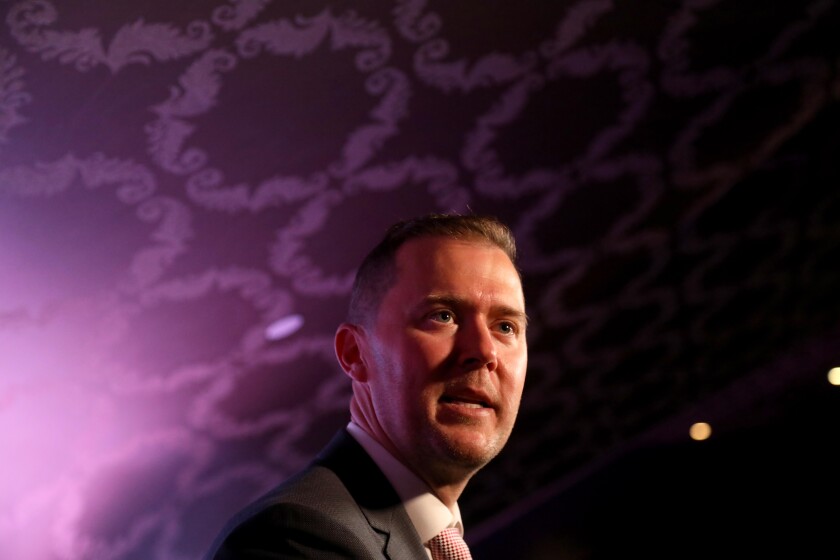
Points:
(186, 188)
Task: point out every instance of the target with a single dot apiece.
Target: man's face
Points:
(446, 356)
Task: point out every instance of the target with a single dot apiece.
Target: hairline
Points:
(378, 272)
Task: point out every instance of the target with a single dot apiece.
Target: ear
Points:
(349, 339)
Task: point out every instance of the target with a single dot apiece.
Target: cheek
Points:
(427, 353)
(402, 376)
(513, 394)
(514, 382)
(515, 361)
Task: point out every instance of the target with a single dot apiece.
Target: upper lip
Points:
(469, 394)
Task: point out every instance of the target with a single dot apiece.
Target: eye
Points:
(508, 327)
(442, 316)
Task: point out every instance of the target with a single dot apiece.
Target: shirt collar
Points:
(427, 513)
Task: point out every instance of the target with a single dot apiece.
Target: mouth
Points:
(467, 399)
(467, 402)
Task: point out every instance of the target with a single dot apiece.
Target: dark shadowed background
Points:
(187, 187)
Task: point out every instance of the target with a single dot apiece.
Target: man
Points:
(435, 348)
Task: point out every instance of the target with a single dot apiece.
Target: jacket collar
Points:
(375, 496)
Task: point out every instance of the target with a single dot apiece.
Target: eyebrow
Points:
(454, 301)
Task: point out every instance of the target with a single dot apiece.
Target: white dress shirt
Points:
(427, 513)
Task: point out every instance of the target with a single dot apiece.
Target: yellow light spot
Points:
(700, 431)
(834, 376)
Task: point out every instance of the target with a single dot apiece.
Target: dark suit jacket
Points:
(339, 506)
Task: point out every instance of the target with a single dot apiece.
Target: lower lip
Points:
(458, 411)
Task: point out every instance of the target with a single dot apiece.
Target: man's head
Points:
(436, 346)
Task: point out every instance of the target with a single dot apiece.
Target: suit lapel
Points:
(374, 495)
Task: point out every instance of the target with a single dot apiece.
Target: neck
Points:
(448, 493)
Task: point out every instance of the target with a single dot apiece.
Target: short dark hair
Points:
(377, 272)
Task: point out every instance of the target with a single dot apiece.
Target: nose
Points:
(477, 346)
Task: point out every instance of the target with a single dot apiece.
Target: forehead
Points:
(473, 266)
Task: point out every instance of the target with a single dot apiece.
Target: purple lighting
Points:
(284, 327)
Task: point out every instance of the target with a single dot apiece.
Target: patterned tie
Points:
(449, 545)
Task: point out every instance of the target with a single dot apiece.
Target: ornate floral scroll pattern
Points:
(177, 179)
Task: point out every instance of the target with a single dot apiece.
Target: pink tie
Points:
(449, 545)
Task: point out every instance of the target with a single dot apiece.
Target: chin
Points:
(471, 452)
